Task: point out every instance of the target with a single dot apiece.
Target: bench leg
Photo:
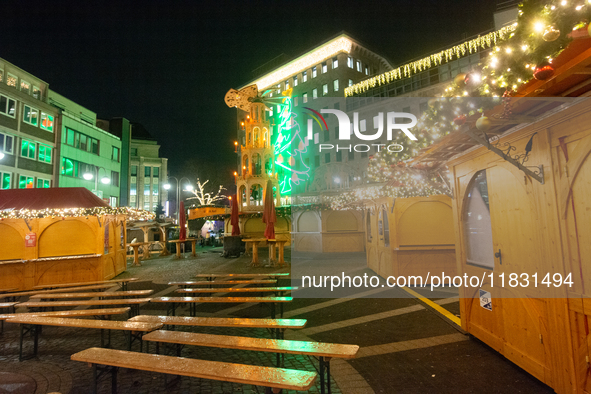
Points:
(35, 330)
(325, 373)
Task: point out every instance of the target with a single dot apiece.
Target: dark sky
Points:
(167, 64)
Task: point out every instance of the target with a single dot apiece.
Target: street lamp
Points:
(188, 188)
(104, 180)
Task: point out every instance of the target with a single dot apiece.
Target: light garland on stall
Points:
(131, 213)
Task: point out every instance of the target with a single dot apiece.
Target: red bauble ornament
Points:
(460, 120)
(543, 71)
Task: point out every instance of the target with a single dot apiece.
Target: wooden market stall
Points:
(59, 235)
(529, 221)
(410, 236)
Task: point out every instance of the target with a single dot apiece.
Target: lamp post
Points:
(189, 187)
(104, 180)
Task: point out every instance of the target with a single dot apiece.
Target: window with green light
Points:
(45, 153)
(69, 167)
(25, 182)
(155, 189)
(43, 183)
(46, 122)
(5, 178)
(28, 149)
(30, 115)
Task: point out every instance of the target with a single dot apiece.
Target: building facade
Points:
(89, 157)
(28, 127)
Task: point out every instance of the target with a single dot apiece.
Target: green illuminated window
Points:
(30, 115)
(45, 153)
(43, 183)
(25, 182)
(5, 180)
(28, 149)
(69, 167)
(155, 189)
(146, 190)
(46, 122)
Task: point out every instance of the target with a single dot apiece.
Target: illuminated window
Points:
(7, 106)
(295, 81)
(155, 189)
(69, 167)
(45, 153)
(335, 63)
(305, 97)
(146, 190)
(83, 142)
(335, 85)
(147, 205)
(305, 76)
(366, 70)
(132, 190)
(325, 89)
(324, 68)
(46, 122)
(156, 174)
(350, 62)
(6, 143)
(5, 178)
(43, 183)
(25, 87)
(314, 93)
(147, 171)
(25, 182)
(115, 154)
(115, 178)
(359, 65)
(30, 115)
(36, 92)
(350, 82)
(314, 72)
(287, 84)
(11, 80)
(1, 75)
(28, 149)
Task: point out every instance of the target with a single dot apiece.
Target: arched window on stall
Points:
(256, 137)
(256, 164)
(384, 215)
(256, 195)
(242, 195)
(244, 165)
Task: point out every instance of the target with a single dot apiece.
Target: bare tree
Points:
(206, 198)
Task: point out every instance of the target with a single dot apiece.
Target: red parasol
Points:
(269, 216)
(182, 222)
(234, 221)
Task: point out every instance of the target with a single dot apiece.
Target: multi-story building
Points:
(27, 130)
(144, 172)
(89, 156)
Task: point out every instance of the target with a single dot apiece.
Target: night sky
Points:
(168, 64)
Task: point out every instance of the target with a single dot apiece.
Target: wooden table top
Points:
(272, 274)
(318, 349)
(85, 323)
(31, 292)
(98, 282)
(224, 282)
(223, 299)
(76, 313)
(237, 290)
(288, 379)
(222, 321)
(184, 240)
(124, 301)
(130, 293)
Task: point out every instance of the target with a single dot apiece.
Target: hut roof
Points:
(49, 198)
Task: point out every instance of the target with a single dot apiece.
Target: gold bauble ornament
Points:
(460, 80)
(551, 33)
(483, 123)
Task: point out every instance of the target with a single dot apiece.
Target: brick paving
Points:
(405, 346)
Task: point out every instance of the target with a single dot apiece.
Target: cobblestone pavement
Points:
(406, 347)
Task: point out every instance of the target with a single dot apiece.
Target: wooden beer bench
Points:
(100, 313)
(271, 275)
(234, 300)
(3, 305)
(121, 282)
(13, 296)
(273, 378)
(28, 323)
(324, 351)
(102, 294)
(224, 282)
(134, 303)
(276, 326)
(275, 289)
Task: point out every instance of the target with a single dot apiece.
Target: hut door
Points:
(574, 190)
(516, 324)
